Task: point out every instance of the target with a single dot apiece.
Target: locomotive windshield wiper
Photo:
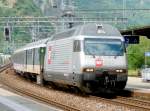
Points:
(93, 56)
(89, 53)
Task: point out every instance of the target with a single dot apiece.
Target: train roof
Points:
(97, 29)
(90, 29)
(37, 44)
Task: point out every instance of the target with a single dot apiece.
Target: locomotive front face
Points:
(105, 61)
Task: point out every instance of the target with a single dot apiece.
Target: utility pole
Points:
(67, 8)
(124, 12)
(53, 3)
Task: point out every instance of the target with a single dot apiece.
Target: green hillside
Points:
(111, 4)
(135, 18)
(13, 8)
(18, 8)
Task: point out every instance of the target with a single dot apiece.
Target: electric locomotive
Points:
(89, 56)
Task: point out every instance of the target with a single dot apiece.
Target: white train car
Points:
(90, 56)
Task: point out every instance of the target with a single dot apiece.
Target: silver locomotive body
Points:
(89, 56)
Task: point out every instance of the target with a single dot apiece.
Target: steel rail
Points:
(46, 100)
(37, 96)
(133, 100)
(5, 67)
(125, 101)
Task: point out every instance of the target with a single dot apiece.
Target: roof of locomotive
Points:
(96, 29)
(90, 29)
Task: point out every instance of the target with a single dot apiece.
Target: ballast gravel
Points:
(81, 102)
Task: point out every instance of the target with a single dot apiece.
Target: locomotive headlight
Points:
(119, 70)
(89, 70)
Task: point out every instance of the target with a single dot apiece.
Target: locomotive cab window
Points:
(104, 47)
(77, 46)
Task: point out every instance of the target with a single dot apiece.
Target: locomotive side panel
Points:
(59, 61)
(62, 61)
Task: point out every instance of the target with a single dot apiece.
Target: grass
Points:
(132, 72)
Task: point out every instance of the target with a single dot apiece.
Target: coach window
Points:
(77, 46)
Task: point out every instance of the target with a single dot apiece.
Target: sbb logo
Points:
(99, 63)
(49, 54)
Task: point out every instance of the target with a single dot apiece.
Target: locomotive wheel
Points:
(120, 85)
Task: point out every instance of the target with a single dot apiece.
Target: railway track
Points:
(138, 104)
(35, 95)
(143, 104)
(5, 67)
(131, 103)
(46, 100)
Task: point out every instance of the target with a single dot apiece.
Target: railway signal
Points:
(7, 33)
